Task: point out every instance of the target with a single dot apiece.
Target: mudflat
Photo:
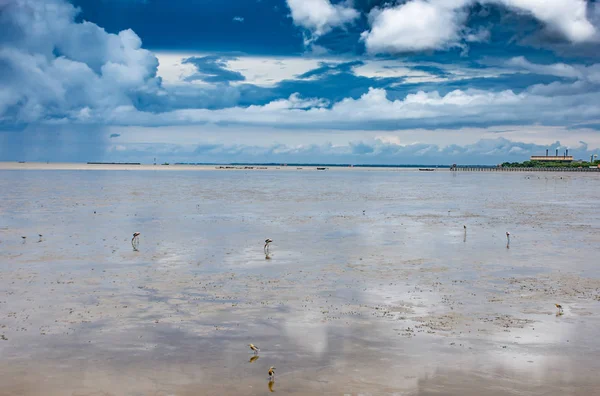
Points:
(371, 286)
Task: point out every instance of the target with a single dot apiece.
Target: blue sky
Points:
(363, 81)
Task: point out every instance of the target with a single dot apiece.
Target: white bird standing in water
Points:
(267, 242)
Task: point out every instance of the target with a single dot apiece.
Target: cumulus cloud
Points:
(568, 17)
(320, 16)
(414, 26)
(375, 110)
(51, 66)
(58, 71)
(238, 19)
(440, 24)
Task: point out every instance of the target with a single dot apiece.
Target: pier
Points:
(522, 169)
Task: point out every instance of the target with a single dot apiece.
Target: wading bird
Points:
(267, 242)
(254, 348)
(507, 239)
(271, 373)
(135, 240)
(40, 235)
(560, 308)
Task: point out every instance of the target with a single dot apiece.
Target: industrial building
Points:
(556, 158)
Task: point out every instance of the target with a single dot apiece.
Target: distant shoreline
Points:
(204, 167)
(115, 166)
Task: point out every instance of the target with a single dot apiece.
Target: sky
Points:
(298, 81)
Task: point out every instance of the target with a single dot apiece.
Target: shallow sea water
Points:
(371, 287)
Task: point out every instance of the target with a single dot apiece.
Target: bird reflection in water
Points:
(267, 256)
(271, 384)
(253, 359)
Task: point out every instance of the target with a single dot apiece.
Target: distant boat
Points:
(426, 169)
(321, 168)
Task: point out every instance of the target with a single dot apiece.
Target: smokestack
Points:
(557, 152)
(567, 153)
(546, 152)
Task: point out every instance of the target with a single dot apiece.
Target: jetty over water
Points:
(114, 163)
(522, 169)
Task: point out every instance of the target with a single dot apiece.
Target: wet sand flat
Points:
(371, 287)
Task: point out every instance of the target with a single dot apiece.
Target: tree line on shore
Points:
(550, 164)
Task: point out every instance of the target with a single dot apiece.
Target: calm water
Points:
(372, 286)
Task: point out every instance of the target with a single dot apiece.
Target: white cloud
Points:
(386, 150)
(52, 66)
(262, 71)
(56, 71)
(569, 17)
(587, 73)
(419, 25)
(415, 26)
(458, 107)
(278, 144)
(393, 69)
(268, 71)
(191, 135)
(238, 19)
(320, 16)
(173, 70)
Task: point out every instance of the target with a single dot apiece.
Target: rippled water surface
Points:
(371, 286)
